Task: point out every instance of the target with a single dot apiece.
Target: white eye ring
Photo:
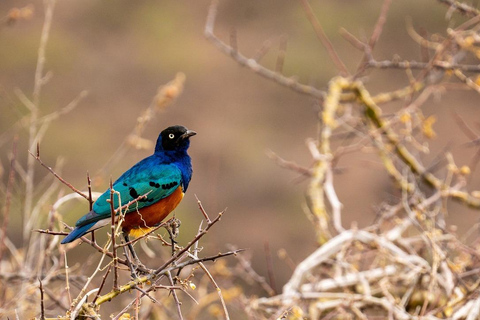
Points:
(171, 136)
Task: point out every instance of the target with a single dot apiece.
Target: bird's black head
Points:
(174, 138)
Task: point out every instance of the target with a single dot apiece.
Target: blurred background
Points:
(122, 51)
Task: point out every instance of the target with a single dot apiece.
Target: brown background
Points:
(121, 51)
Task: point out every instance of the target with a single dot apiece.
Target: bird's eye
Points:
(171, 136)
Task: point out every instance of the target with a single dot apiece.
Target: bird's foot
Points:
(139, 269)
(173, 229)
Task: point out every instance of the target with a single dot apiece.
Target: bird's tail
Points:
(78, 232)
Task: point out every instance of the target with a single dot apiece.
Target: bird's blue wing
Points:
(158, 181)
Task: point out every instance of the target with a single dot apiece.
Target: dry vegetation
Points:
(408, 264)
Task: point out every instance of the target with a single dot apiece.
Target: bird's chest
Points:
(140, 221)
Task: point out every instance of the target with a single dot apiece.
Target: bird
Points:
(162, 179)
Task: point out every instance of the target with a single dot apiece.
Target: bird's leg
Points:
(173, 231)
(137, 263)
(129, 264)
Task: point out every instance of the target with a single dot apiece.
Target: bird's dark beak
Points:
(188, 134)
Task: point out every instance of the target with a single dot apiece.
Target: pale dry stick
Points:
(76, 311)
(292, 287)
(332, 300)
(67, 280)
(342, 266)
(87, 283)
(34, 112)
(333, 200)
(349, 279)
(411, 289)
(438, 256)
(32, 133)
(448, 282)
(474, 311)
(461, 7)
(423, 42)
(357, 312)
(251, 63)
(8, 198)
(395, 234)
(463, 311)
(469, 82)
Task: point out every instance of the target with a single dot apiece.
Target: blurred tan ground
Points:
(122, 51)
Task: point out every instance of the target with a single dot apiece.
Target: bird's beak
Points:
(188, 134)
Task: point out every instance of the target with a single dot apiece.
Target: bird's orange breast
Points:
(139, 222)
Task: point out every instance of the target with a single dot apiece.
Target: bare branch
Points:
(252, 64)
(324, 39)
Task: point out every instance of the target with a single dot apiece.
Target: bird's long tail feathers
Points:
(78, 232)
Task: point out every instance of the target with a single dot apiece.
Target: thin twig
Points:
(102, 283)
(67, 279)
(113, 236)
(175, 297)
(377, 31)
(8, 197)
(269, 261)
(154, 275)
(37, 157)
(317, 27)
(34, 111)
(281, 55)
(252, 64)
(248, 269)
(462, 7)
(200, 206)
(42, 307)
